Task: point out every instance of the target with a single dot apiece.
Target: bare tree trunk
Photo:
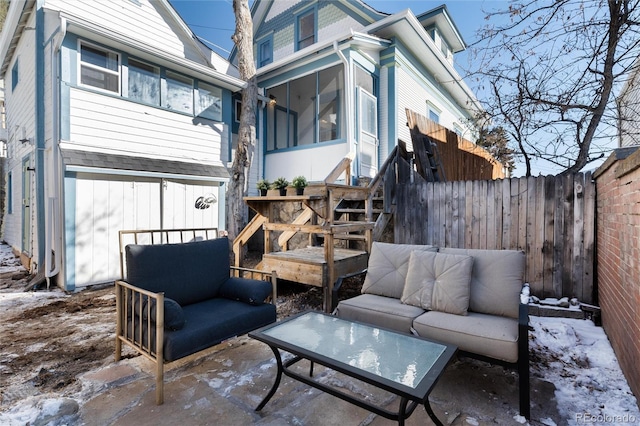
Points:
(243, 38)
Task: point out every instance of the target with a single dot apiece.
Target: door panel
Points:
(368, 120)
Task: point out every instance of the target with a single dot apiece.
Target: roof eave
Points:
(17, 16)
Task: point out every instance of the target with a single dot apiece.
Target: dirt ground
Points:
(45, 346)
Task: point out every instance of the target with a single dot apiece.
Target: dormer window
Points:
(306, 29)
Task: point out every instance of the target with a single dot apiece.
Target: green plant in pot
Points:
(263, 185)
(299, 183)
(280, 184)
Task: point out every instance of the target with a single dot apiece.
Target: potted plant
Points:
(299, 183)
(281, 184)
(263, 185)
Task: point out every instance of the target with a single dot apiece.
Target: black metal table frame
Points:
(409, 398)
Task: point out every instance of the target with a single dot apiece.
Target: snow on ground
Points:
(590, 386)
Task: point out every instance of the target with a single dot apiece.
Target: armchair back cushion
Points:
(186, 272)
(387, 269)
(496, 280)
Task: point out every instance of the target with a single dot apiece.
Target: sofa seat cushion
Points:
(496, 280)
(212, 321)
(388, 266)
(386, 312)
(489, 335)
(438, 282)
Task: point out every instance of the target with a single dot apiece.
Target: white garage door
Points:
(108, 204)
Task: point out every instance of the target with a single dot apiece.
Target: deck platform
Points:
(308, 265)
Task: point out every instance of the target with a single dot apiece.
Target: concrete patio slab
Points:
(224, 386)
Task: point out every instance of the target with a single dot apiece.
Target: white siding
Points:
(109, 124)
(142, 20)
(313, 163)
(20, 107)
(415, 93)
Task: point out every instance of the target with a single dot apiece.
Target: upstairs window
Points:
(434, 113)
(99, 68)
(177, 92)
(144, 82)
(209, 103)
(265, 53)
(306, 29)
(14, 76)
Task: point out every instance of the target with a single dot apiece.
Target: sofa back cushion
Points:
(387, 268)
(186, 272)
(438, 282)
(496, 280)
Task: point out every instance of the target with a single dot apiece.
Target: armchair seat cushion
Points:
(387, 312)
(210, 322)
(492, 336)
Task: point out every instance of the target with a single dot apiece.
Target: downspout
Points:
(351, 142)
(54, 218)
(39, 132)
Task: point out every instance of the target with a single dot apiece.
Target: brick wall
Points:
(618, 257)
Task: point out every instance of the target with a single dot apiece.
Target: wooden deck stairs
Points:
(341, 221)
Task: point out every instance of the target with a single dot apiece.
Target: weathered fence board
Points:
(550, 218)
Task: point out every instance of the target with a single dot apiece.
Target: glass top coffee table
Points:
(405, 365)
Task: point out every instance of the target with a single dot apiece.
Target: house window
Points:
(177, 92)
(457, 129)
(307, 110)
(330, 83)
(265, 52)
(444, 47)
(10, 193)
(209, 103)
(144, 82)
(14, 76)
(306, 29)
(99, 68)
(433, 112)
(238, 110)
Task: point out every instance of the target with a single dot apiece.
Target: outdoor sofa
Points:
(179, 299)
(465, 297)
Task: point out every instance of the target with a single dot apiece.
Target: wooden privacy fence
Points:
(550, 218)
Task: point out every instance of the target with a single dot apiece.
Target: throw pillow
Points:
(173, 314)
(438, 282)
(387, 268)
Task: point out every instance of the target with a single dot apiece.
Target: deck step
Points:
(350, 237)
(352, 210)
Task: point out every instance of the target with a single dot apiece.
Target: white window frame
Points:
(432, 109)
(117, 73)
